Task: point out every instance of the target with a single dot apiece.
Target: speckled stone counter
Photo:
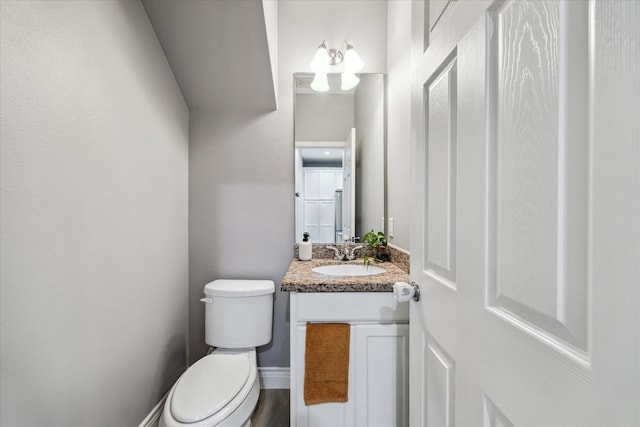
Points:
(301, 278)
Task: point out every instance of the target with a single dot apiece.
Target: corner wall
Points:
(93, 217)
(398, 123)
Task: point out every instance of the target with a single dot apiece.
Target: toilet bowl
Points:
(220, 390)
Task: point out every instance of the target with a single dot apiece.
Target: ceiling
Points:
(322, 154)
(218, 52)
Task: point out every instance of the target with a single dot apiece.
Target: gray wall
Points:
(398, 127)
(323, 117)
(369, 117)
(93, 241)
(240, 212)
(241, 171)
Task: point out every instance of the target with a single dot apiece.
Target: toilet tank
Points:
(238, 313)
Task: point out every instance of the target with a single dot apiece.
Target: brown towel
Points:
(326, 360)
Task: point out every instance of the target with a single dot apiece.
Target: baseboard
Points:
(274, 377)
(153, 418)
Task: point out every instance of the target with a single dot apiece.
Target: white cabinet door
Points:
(378, 359)
(526, 233)
(322, 414)
(381, 389)
(378, 380)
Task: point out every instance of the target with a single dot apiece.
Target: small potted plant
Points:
(377, 243)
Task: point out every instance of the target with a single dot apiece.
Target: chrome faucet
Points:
(338, 256)
(352, 255)
(346, 255)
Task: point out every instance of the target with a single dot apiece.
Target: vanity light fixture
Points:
(320, 83)
(326, 58)
(349, 81)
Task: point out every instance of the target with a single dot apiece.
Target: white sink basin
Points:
(349, 270)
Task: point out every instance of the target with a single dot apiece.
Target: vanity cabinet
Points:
(378, 360)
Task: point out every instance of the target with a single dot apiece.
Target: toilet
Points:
(222, 388)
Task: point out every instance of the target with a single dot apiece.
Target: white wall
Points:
(241, 171)
(94, 164)
(398, 112)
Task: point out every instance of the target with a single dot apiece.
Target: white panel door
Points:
(526, 227)
(320, 185)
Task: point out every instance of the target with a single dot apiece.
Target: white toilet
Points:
(222, 388)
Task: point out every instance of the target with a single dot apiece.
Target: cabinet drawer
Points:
(348, 306)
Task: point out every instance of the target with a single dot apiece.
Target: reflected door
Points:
(320, 185)
(526, 233)
(349, 187)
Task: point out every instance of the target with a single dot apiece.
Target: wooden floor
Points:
(272, 409)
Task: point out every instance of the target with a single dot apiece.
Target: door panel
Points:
(526, 228)
(440, 386)
(438, 13)
(441, 173)
(493, 417)
(538, 168)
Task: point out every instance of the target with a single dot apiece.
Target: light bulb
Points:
(320, 83)
(352, 61)
(320, 63)
(349, 81)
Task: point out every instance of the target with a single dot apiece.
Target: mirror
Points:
(339, 158)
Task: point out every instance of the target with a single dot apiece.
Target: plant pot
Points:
(380, 253)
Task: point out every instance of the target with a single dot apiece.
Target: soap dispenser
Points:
(304, 248)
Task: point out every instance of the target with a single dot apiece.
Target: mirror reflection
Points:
(339, 159)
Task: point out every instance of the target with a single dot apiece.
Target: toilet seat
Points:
(208, 386)
(211, 390)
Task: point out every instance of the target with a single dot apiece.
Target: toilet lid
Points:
(207, 386)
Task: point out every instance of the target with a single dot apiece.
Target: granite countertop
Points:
(301, 278)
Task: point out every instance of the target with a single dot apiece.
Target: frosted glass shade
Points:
(320, 63)
(352, 61)
(349, 81)
(320, 83)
